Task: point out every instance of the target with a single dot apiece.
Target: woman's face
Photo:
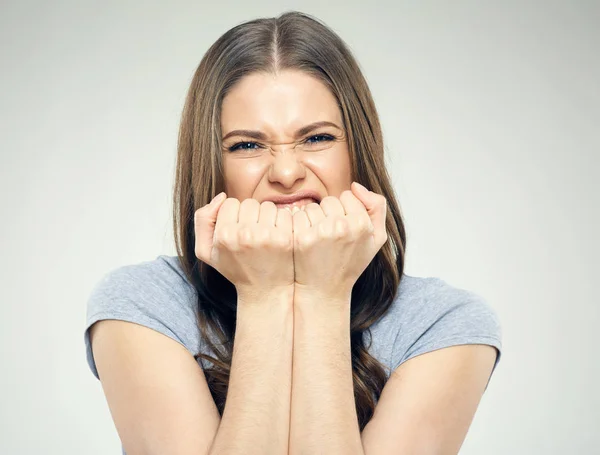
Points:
(277, 107)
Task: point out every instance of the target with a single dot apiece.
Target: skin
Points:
(318, 252)
(313, 257)
(333, 240)
(299, 400)
(278, 106)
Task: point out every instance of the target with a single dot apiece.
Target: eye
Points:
(242, 146)
(324, 137)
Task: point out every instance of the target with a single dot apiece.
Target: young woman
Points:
(285, 324)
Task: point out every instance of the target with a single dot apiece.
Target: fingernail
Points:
(362, 188)
(218, 198)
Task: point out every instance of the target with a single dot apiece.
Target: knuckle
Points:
(304, 242)
(363, 226)
(284, 214)
(223, 238)
(231, 202)
(249, 203)
(341, 228)
(268, 204)
(262, 238)
(281, 241)
(245, 236)
(360, 227)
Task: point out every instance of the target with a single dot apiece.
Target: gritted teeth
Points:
(298, 203)
(294, 209)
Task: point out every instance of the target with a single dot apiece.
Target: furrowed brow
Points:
(260, 136)
(247, 133)
(313, 126)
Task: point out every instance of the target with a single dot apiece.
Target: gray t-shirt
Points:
(427, 313)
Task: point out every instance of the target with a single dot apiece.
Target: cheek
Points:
(333, 170)
(242, 177)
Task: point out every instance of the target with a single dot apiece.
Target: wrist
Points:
(316, 313)
(255, 296)
(306, 295)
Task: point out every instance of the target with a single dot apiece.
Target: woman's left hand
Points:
(335, 241)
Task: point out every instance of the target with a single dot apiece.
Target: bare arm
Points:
(323, 416)
(257, 411)
(156, 391)
(160, 401)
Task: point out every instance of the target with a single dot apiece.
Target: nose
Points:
(285, 167)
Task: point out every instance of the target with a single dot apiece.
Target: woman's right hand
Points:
(249, 243)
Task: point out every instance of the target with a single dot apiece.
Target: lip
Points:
(289, 199)
(299, 204)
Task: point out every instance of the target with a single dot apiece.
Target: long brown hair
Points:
(297, 41)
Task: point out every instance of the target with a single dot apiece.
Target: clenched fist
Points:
(321, 250)
(249, 243)
(335, 241)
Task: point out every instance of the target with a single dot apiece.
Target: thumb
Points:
(376, 208)
(205, 220)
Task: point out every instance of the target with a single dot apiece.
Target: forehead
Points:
(278, 103)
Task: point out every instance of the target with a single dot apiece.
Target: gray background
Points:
(491, 117)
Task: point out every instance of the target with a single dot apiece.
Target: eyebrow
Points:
(259, 135)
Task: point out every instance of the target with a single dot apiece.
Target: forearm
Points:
(323, 413)
(256, 416)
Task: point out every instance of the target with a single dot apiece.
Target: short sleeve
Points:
(153, 294)
(446, 316)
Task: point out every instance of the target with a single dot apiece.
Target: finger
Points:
(332, 206)
(351, 204)
(268, 213)
(313, 212)
(376, 206)
(300, 222)
(283, 219)
(356, 211)
(204, 226)
(249, 211)
(228, 213)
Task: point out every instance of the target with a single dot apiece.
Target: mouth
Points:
(300, 204)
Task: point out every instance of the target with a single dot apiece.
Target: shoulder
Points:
(151, 280)
(152, 293)
(429, 314)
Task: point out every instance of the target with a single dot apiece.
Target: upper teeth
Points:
(298, 203)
